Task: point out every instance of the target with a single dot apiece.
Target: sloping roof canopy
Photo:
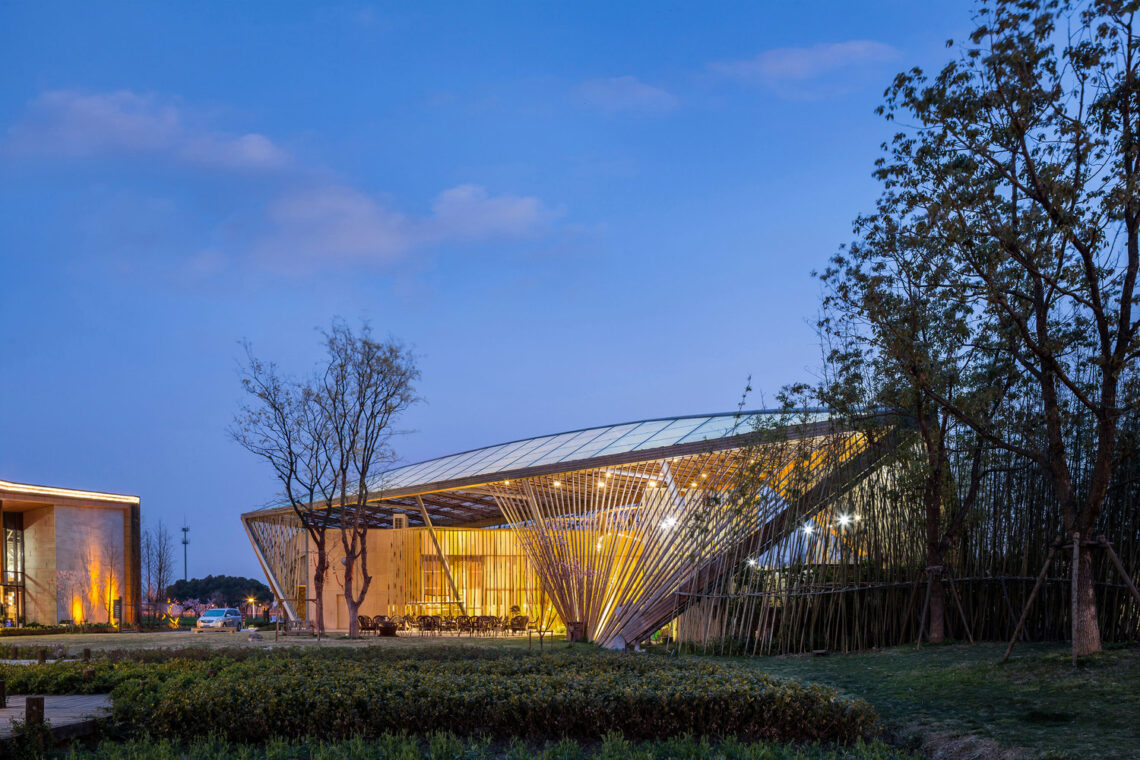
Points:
(449, 485)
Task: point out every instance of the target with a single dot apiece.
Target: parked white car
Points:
(219, 620)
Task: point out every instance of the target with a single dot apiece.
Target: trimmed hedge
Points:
(447, 746)
(335, 695)
(54, 630)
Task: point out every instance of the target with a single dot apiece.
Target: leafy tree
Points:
(892, 351)
(225, 590)
(1017, 178)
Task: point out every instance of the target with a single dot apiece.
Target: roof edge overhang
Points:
(708, 446)
(55, 495)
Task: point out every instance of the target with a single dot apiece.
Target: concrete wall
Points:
(39, 566)
(90, 562)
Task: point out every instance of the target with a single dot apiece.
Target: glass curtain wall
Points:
(12, 571)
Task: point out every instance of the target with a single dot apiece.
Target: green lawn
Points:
(1037, 700)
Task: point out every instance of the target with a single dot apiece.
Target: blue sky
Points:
(576, 213)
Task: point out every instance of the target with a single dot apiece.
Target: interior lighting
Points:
(601, 484)
(653, 484)
(752, 562)
(808, 529)
(557, 483)
(844, 520)
(668, 523)
(693, 484)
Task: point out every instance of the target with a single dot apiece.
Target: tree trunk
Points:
(350, 601)
(1088, 629)
(319, 573)
(936, 615)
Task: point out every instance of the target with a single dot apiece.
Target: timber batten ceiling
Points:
(455, 489)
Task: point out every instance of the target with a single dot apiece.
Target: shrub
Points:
(249, 695)
(446, 746)
(557, 695)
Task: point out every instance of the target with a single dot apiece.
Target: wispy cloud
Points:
(626, 93)
(337, 225)
(801, 70)
(469, 212)
(297, 221)
(71, 124)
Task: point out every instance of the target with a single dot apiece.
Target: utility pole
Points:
(185, 552)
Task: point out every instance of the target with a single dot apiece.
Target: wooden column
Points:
(442, 557)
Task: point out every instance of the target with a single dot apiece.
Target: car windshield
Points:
(214, 613)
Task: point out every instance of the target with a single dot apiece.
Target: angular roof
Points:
(448, 478)
(575, 446)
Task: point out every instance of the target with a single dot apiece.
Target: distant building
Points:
(68, 556)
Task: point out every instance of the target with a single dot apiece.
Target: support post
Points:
(1076, 587)
(34, 711)
(925, 607)
(1120, 568)
(958, 602)
(1029, 602)
(442, 557)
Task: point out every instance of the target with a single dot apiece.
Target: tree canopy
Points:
(224, 590)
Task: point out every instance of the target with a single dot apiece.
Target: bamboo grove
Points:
(851, 574)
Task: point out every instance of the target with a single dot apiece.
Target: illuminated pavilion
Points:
(608, 531)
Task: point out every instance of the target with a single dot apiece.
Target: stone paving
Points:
(63, 712)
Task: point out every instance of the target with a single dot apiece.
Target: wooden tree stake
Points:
(1029, 602)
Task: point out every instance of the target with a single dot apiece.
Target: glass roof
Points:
(578, 445)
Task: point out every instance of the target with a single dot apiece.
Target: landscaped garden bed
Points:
(254, 696)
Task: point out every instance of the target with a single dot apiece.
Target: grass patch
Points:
(1037, 701)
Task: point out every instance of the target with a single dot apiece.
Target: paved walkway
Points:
(71, 711)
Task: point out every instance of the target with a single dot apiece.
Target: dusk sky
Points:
(577, 214)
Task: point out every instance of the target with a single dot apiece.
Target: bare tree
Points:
(363, 390)
(110, 562)
(283, 422)
(146, 567)
(163, 562)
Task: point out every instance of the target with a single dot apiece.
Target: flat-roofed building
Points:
(68, 556)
